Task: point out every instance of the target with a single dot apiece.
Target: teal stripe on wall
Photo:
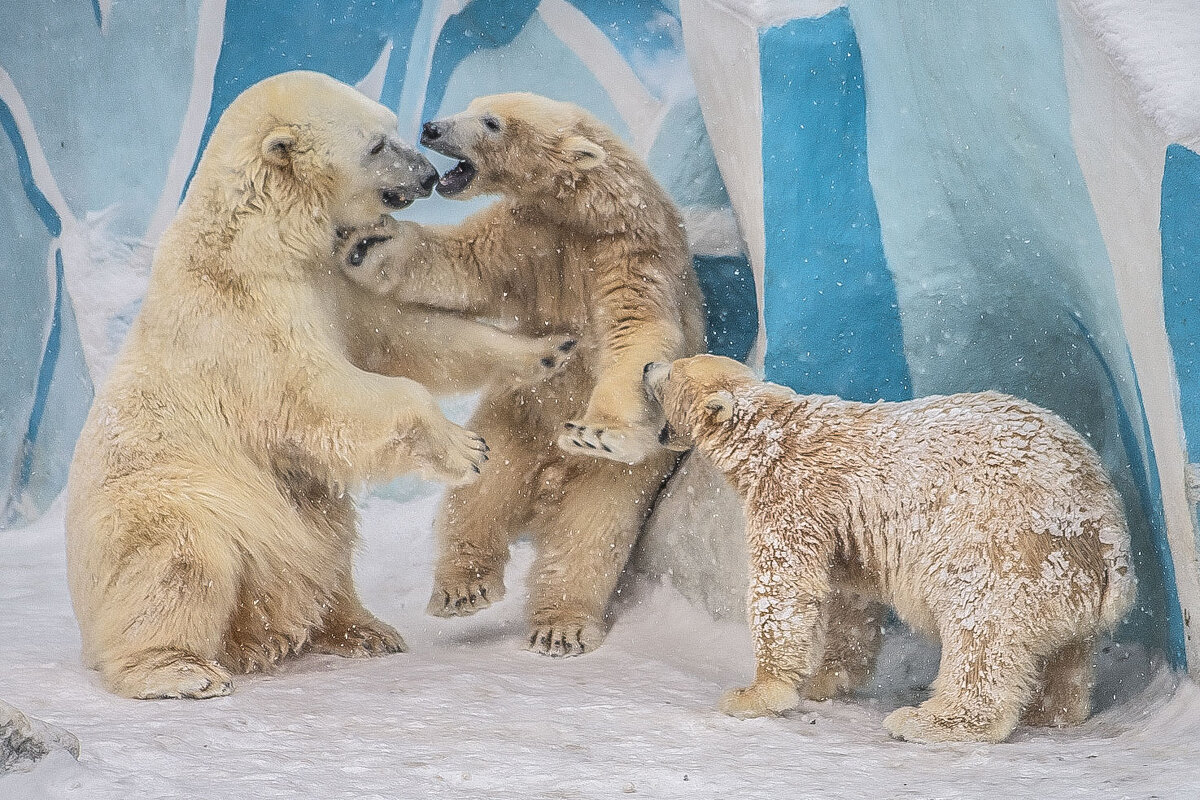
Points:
(831, 315)
(1181, 281)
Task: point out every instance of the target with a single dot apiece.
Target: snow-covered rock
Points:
(25, 740)
(696, 539)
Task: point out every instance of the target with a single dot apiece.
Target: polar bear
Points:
(208, 530)
(985, 521)
(583, 242)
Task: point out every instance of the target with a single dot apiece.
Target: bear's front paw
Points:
(622, 443)
(462, 596)
(762, 698)
(450, 453)
(362, 639)
(547, 358)
(559, 640)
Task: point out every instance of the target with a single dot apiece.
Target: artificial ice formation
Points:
(984, 521)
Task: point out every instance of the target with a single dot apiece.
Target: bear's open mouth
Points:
(457, 179)
(396, 199)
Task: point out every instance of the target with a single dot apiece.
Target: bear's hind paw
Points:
(564, 640)
(172, 674)
(922, 725)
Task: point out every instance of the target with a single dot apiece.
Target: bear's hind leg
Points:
(984, 681)
(347, 629)
(160, 621)
(1064, 694)
(583, 542)
(852, 639)
(476, 522)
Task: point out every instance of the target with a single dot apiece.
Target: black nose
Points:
(646, 368)
(430, 132)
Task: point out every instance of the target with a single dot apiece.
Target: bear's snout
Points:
(430, 132)
(428, 181)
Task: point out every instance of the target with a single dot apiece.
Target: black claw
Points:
(606, 448)
(567, 346)
(476, 468)
(547, 362)
(570, 426)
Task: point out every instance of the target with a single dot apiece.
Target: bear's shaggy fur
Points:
(208, 530)
(583, 242)
(985, 521)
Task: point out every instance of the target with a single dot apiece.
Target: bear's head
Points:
(518, 144)
(696, 395)
(305, 138)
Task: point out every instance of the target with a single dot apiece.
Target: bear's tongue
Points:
(456, 179)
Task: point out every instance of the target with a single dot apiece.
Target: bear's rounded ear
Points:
(719, 406)
(278, 145)
(583, 152)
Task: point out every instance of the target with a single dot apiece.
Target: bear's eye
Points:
(377, 148)
(491, 123)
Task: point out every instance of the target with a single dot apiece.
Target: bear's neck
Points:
(619, 198)
(766, 438)
(264, 228)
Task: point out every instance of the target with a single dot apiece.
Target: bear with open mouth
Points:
(584, 242)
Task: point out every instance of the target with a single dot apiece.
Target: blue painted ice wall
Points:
(105, 106)
(928, 230)
(832, 319)
(1181, 281)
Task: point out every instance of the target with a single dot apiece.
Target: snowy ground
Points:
(467, 713)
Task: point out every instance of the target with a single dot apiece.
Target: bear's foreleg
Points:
(583, 542)
(157, 621)
(788, 591)
(620, 423)
(447, 352)
(360, 426)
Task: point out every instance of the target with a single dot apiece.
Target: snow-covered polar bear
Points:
(207, 526)
(584, 242)
(985, 521)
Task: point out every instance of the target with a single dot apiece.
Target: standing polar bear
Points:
(583, 242)
(983, 520)
(208, 531)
